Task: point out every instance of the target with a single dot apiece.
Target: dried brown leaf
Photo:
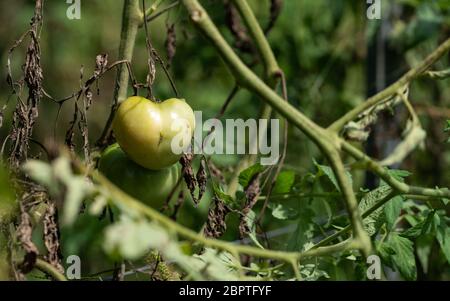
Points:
(188, 174)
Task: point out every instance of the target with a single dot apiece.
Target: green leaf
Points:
(284, 182)
(322, 210)
(250, 220)
(311, 272)
(247, 174)
(227, 199)
(403, 259)
(217, 265)
(385, 251)
(425, 226)
(328, 171)
(443, 237)
(304, 231)
(392, 210)
(414, 231)
(423, 249)
(447, 128)
(282, 211)
(397, 174)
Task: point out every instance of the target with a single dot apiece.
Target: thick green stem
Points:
(383, 173)
(131, 18)
(361, 235)
(339, 247)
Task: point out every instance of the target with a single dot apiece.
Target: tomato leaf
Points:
(397, 174)
(304, 231)
(227, 199)
(423, 227)
(392, 210)
(403, 259)
(373, 222)
(247, 174)
(250, 220)
(328, 171)
(284, 182)
(423, 249)
(283, 212)
(443, 237)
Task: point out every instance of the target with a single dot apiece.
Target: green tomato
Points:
(152, 187)
(152, 134)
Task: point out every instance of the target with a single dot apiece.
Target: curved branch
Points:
(383, 173)
(271, 67)
(48, 269)
(392, 89)
(361, 236)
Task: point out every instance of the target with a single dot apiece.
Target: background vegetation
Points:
(326, 50)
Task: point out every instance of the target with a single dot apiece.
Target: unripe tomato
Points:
(149, 186)
(145, 129)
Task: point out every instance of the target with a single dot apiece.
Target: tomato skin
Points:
(152, 187)
(144, 130)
